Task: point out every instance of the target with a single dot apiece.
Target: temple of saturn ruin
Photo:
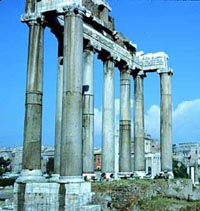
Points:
(83, 28)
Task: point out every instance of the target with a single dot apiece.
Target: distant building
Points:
(189, 154)
(97, 159)
(15, 155)
(152, 155)
(6, 153)
(16, 163)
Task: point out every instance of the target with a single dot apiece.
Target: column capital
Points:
(123, 66)
(74, 10)
(138, 73)
(33, 19)
(60, 60)
(165, 70)
(105, 56)
(88, 46)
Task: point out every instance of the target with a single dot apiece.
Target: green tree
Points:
(50, 165)
(4, 165)
(179, 169)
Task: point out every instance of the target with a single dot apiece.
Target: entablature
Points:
(99, 32)
(101, 42)
(98, 25)
(151, 62)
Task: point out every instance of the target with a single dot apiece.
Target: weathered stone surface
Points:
(108, 126)
(153, 61)
(58, 119)
(139, 155)
(53, 196)
(140, 194)
(34, 88)
(166, 120)
(71, 151)
(125, 122)
(88, 110)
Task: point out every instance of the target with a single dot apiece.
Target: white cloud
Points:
(186, 120)
(187, 109)
(186, 125)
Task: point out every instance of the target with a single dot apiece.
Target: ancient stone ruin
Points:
(82, 28)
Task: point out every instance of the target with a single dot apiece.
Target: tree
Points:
(50, 166)
(179, 169)
(4, 165)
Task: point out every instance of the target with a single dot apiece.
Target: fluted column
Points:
(88, 110)
(166, 120)
(139, 152)
(125, 122)
(33, 106)
(108, 121)
(58, 122)
(71, 150)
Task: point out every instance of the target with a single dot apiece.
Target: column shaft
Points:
(33, 107)
(125, 123)
(71, 151)
(58, 122)
(88, 112)
(139, 155)
(108, 122)
(166, 121)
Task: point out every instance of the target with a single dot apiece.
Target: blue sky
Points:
(169, 26)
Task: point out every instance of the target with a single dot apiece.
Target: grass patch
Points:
(168, 204)
(112, 185)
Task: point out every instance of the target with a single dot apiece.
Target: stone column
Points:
(125, 123)
(166, 120)
(88, 110)
(108, 121)
(31, 164)
(71, 150)
(58, 122)
(139, 150)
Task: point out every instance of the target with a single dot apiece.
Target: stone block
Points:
(78, 188)
(53, 196)
(90, 208)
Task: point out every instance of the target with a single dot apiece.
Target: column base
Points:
(170, 175)
(27, 176)
(71, 179)
(166, 175)
(73, 196)
(139, 174)
(54, 178)
(89, 176)
(108, 176)
(124, 175)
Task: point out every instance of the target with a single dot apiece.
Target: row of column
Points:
(74, 139)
